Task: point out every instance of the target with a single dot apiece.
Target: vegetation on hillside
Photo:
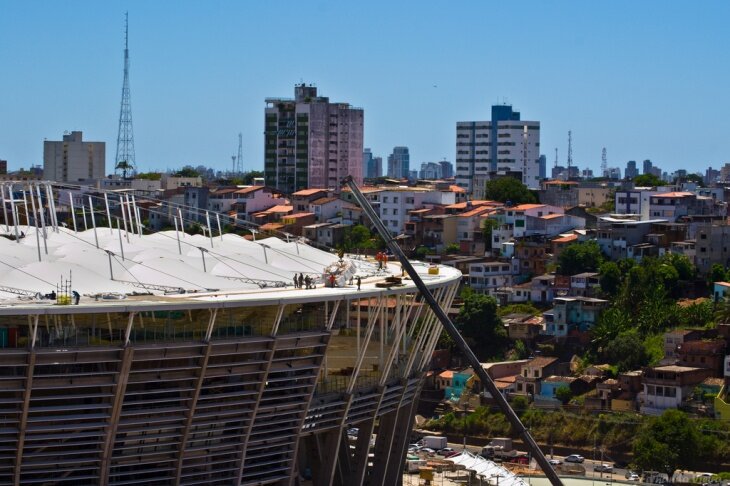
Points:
(508, 189)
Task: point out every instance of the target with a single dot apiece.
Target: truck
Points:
(435, 442)
(499, 448)
(414, 465)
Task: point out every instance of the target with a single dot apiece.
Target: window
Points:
(395, 199)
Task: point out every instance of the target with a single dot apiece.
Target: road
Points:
(589, 464)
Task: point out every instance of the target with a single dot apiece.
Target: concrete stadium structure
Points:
(194, 359)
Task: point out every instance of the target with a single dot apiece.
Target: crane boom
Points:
(459, 341)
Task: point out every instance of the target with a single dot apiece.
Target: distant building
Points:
(648, 166)
(543, 167)
(72, 159)
(631, 170)
(430, 170)
(310, 142)
(3, 166)
(372, 166)
(447, 169)
(613, 173)
(399, 163)
(505, 144)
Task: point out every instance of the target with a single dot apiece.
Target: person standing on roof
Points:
(77, 297)
(301, 280)
(307, 280)
(296, 281)
(358, 282)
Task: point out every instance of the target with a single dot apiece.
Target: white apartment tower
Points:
(310, 142)
(503, 146)
(73, 160)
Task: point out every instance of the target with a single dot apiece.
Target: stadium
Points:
(169, 358)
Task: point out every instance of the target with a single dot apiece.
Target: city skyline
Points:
(616, 80)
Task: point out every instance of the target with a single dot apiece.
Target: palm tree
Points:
(124, 166)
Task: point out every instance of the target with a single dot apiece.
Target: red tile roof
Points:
(525, 207)
(308, 192)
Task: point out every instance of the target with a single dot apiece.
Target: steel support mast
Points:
(504, 406)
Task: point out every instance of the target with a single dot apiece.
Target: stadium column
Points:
(193, 402)
(116, 410)
(24, 417)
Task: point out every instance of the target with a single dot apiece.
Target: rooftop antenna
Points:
(570, 151)
(125, 159)
(239, 162)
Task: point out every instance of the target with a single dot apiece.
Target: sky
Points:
(642, 79)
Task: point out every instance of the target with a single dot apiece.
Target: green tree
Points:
(717, 273)
(480, 325)
(667, 443)
(187, 171)
(648, 180)
(626, 351)
(248, 177)
(563, 394)
(488, 226)
(508, 189)
(580, 257)
(150, 176)
(683, 265)
(610, 278)
(451, 248)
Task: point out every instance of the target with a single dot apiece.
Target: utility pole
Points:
(570, 151)
(239, 162)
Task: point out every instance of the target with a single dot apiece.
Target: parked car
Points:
(444, 451)
(555, 462)
(633, 477)
(575, 458)
(451, 454)
(603, 468)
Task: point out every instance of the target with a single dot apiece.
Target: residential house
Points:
(721, 290)
(705, 353)
(504, 374)
(669, 386)
(489, 277)
(677, 337)
(559, 193)
(712, 246)
(616, 236)
(573, 314)
(722, 400)
(605, 391)
(549, 387)
(630, 386)
(301, 200)
(533, 372)
(328, 234)
(444, 380)
(532, 257)
(326, 208)
(459, 384)
(542, 289)
(523, 326)
(584, 284)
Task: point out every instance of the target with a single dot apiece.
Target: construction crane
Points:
(459, 341)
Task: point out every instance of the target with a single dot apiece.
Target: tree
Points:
(124, 166)
(488, 226)
(610, 278)
(667, 443)
(717, 273)
(563, 394)
(451, 248)
(248, 177)
(508, 189)
(480, 325)
(626, 351)
(187, 171)
(580, 257)
(648, 180)
(150, 176)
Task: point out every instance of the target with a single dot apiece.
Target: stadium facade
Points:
(191, 359)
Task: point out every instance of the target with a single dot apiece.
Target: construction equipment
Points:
(459, 341)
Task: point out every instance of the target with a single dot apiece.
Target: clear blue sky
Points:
(644, 79)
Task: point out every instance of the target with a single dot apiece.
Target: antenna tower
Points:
(233, 167)
(570, 151)
(125, 160)
(604, 163)
(239, 162)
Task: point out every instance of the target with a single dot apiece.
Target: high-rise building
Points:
(631, 169)
(399, 164)
(372, 166)
(503, 145)
(3, 166)
(543, 166)
(430, 170)
(367, 161)
(647, 167)
(310, 142)
(73, 160)
(447, 169)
